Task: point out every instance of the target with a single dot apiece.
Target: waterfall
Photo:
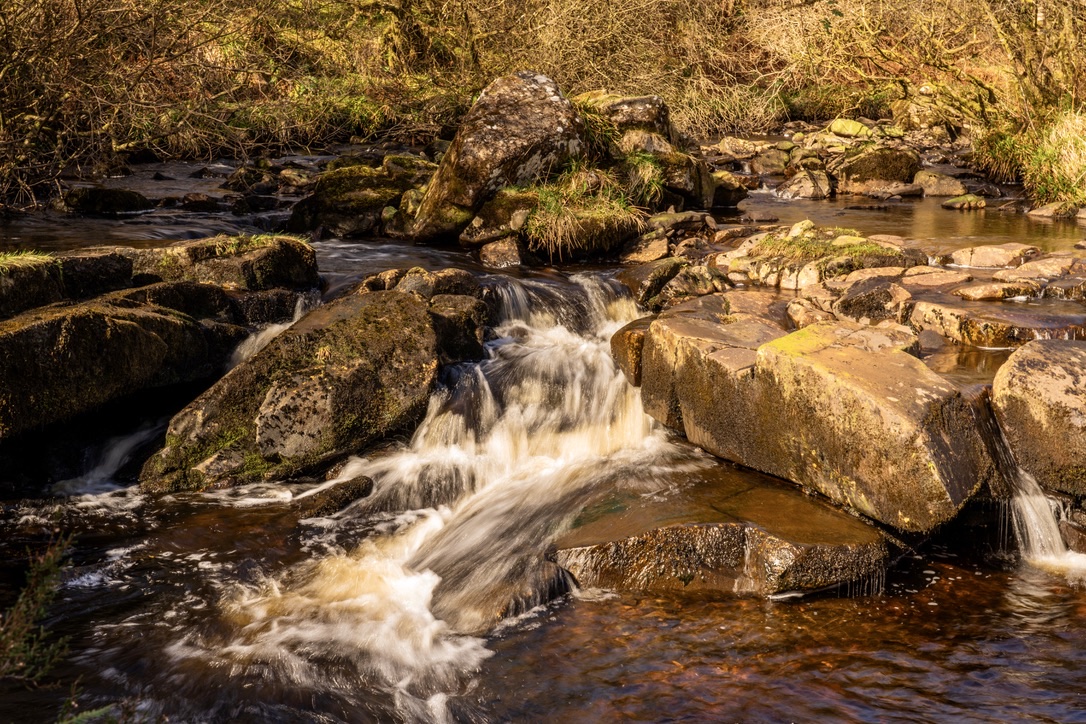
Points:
(1037, 530)
(454, 537)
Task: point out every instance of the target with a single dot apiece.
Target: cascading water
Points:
(506, 456)
(1037, 530)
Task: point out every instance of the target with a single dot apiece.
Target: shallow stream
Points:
(427, 601)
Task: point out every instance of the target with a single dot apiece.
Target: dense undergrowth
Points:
(83, 83)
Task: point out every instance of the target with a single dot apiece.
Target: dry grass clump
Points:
(583, 211)
(1055, 170)
(23, 259)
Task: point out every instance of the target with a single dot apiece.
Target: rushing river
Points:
(431, 599)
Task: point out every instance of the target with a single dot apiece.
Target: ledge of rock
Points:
(1039, 395)
(64, 360)
(732, 531)
(839, 407)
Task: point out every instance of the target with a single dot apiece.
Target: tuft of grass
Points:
(25, 653)
(1000, 154)
(584, 210)
(644, 179)
(1055, 167)
(22, 259)
(600, 132)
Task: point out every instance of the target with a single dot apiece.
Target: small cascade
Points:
(1035, 518)
(262, 338)
(456, 531)
(116, 453)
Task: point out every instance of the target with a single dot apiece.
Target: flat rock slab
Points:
(839, 407)
(727, 530)
(1001, 324)
(994, 255)
(1040, 399)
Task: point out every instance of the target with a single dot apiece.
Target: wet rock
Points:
(28, 282)
(839, 407)
(728, 189)
(1055, 210)
(803, 313)
(770, 162)
(691, 281)
(1039, 396)
(807, 184)
(996, 291)
(266, 307)
(965, 202)
(855, 171)
(994, 255)
(201, 203)
(329, 501)
(646, 281)
(688, 177)
(460, 325)
(518, 131)
(1052, 267)
(61, 361)
(502, 254)
(730, 531)
(502, 216)
(675, 221)
(346, 375)
(648, 247)
(939, 184)
(931, 277)
(88, 273)
(100, 201)
(350, 201)
(627, 345)
(1004, 325)
(872, 300)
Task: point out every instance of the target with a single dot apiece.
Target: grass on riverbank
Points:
(86, 83)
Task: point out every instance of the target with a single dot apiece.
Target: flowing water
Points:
(436, 598)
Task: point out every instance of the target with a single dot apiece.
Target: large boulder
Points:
(839, 407)
(347, 374)
(519, 130)
(872, 168)
(1039, 395)
(63, 360)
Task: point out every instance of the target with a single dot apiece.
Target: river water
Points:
(434, 600)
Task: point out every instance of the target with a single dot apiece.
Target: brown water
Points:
(226, 607)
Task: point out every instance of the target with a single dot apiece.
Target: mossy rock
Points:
(349, 201)
(520, 130)
(61, 361)
(28, 281)
(235, 262)
(871, 163)
(346, 375)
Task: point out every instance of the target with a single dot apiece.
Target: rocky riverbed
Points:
(434, 439)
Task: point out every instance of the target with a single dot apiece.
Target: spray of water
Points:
(507, 455)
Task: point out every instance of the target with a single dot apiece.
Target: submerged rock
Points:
(839, 407)
(1039, 396)
(102, 201)
(731, 531)
(520, 129)
(346, 375)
